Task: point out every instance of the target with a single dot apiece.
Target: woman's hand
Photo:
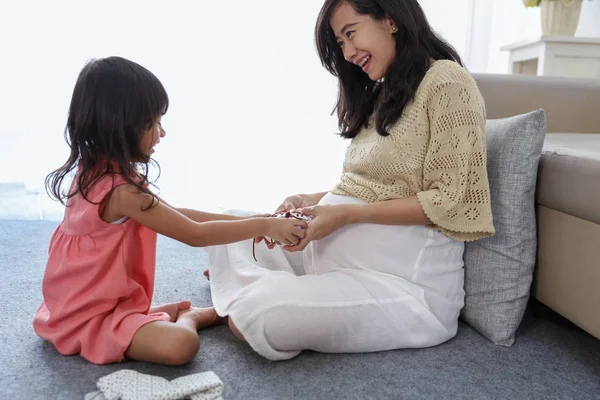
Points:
(326, 220)
(292, 203)
(299, 201)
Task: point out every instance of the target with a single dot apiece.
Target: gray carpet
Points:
(551, 359)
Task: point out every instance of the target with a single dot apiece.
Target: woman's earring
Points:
(394, 29)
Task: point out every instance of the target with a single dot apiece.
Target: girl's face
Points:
(365, 42)
(152, 137)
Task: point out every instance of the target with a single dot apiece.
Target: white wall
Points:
(249, 121)
(450, 19)
(250, 100)
(589, 23)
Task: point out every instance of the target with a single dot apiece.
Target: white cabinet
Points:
(574, 57)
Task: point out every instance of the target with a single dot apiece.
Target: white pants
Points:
(363, 288)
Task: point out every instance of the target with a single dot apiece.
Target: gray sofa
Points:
(552, 357)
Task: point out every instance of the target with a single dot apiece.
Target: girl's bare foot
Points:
(172, 309)
(201, 317)
(207, 275)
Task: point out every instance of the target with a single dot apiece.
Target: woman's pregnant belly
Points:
(413, 252)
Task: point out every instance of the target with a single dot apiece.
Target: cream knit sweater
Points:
(435, 151)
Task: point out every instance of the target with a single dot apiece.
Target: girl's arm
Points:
(201, 216)
(128, 201)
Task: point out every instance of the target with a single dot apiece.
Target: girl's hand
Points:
(326, 220)
(292, 203)
(287, 231)
(269, 244)
(259, 239)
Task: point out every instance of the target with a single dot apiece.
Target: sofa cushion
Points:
(499, 269)
(569, 175)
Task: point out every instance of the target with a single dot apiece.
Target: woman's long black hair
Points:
(359, 97)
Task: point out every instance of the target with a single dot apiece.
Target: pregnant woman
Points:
(381, 265)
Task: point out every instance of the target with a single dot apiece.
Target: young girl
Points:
(99, 279)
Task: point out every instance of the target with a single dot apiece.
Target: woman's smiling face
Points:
(365, 42)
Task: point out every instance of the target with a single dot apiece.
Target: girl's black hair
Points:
(114, 101)
(359, 97)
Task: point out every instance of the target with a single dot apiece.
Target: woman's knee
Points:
(235, 330)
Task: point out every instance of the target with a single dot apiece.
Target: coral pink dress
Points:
(99, 281)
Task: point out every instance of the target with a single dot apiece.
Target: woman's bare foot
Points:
(201, 317)
(172, 309)
(207, 275)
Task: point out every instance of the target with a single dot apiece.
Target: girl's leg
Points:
(172, 343)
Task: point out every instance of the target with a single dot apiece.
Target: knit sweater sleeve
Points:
(456, 193)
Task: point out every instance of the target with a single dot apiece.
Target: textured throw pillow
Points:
(499, 269)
